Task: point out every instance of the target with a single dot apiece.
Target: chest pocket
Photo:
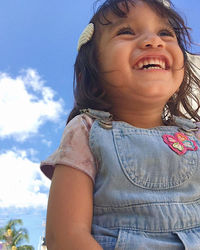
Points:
(149, 163)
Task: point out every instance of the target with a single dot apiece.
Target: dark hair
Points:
(88, 90)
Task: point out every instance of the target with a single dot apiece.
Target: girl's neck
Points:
(142, 119)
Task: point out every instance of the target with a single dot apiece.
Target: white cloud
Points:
(22, 184)
(47, 142)
(25, 104)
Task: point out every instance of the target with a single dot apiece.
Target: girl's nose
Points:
(152, 41)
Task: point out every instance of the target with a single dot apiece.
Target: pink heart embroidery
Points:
(180, 143)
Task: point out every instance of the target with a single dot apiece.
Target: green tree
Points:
(14, 237)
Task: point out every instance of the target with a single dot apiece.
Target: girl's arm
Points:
(70, 209)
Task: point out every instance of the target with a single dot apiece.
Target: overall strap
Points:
(104, 118)
(197, 133)
(187, 126)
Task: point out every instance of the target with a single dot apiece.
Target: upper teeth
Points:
(155, 61)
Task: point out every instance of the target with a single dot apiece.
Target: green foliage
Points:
(25, 247)
(13, 235)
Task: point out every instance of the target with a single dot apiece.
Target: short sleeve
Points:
(74, 149)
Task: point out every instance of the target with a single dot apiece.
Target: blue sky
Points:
(38, 41)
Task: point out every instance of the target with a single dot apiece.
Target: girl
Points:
(127, 172)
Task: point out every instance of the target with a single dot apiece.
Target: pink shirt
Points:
(74, 149)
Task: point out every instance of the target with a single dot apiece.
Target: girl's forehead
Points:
(138, 11)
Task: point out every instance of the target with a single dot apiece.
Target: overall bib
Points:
(146, 195)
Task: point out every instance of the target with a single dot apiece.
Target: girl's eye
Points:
(125, 31)
(166, 32)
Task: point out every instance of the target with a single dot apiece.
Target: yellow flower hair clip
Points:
(86, 35)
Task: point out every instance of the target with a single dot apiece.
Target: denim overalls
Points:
(146, 195)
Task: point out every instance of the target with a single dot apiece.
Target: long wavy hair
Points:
(88, 90)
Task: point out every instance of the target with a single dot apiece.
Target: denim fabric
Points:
(146, 196)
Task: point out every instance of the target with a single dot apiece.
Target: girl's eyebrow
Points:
(113, 25)
(121, 21)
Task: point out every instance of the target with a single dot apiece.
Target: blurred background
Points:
(38, 41)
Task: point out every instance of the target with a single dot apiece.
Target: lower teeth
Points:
(152, 68)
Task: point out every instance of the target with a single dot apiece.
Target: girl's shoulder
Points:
(76, 133)
(82, 121)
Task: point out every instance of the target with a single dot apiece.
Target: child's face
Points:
(129, 43)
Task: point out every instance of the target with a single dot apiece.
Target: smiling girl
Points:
(126, 174)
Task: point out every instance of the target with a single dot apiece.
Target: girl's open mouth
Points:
(152, 63)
